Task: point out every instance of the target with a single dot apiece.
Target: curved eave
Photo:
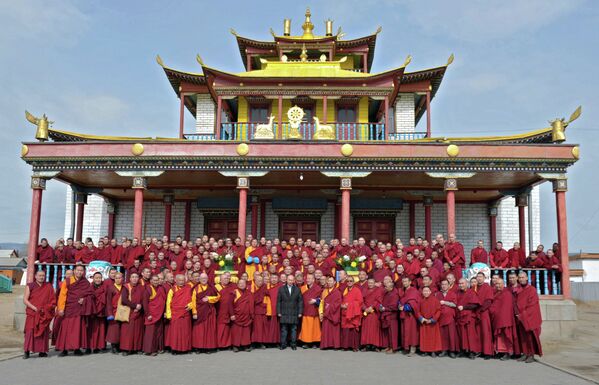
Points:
(434, 75)
(175, 79)
(68, 136)
(537, 136)
(244, 42)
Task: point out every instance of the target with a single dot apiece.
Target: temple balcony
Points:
(361, 132)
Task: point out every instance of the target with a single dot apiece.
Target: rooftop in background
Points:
(9, 253)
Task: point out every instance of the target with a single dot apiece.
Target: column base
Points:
(559, 319)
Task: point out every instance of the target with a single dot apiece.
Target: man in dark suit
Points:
(289, 309)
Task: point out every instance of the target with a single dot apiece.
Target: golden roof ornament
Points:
(43, 124)
(558, 126)
(304, 54)
(308, 27)
(328, 27)
(286, 27)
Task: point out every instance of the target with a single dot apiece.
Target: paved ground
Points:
(304, 367)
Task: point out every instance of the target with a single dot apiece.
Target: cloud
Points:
(41, 22)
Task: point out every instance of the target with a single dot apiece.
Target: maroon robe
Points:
(389, 323)
(517, 257)
(203, 332)
(330, 336)
(447, 324)
(132, 332)
(260, 321)
(468, 333)
(371, 324)
(529, 320)
(502, 321)
(223, 318)
(485, 296)
(96, 328)
(45, 254)
(37, 323)
(499, 259)
(479, 255)
(351, 318)
(113, 330)
(179, 331)
(153, 303)
(274, 328)
(380, 274)
(454, 253)
(73, 329)
(242, 307)
(409, 323)
(430, 335)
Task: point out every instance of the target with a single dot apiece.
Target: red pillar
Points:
(560, 188)
(387, 128)
(243, 185)
(79, 223)
(412, 218)
(262, 218)
(139, 184)
(428, 219)
(248, 60)
(254, 229)
(111, 225)
(365, 64)
(168, 209)
(181, 114)
(522, 226)
(345, 207)
(37, 185)
(428, 114)
(451, 185)
(187, 225)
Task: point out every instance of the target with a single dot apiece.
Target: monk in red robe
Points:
(485, 296)
(428, 316)
(153, 303)
(132, 332)
(329, 311)
(40, 300)
(409, 298)
(113, 330)
(528, 319)
(454, 254)
(388, 313)
(351, 315)
(274, 328)
(179, 306)
(502, 319)
(479, 254)
(516, 256)
(259, 323)
(447, 324)
(75, 304)
(96, 327)
(203, 331)
(499, 258)
(468, 335)
(370, 338)
(44, 252)
(223, 318)
(241, 309)
(310, 333)
(57, 317)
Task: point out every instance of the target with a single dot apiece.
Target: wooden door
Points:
(221, 228)
(380, 229)
(299, 229)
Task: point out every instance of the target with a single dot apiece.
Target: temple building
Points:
(306, 141)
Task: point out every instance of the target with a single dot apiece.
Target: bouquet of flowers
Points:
(225, 262)
(350, 262)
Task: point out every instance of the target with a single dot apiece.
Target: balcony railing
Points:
(55, 272)
(547, 282)
(364, 132)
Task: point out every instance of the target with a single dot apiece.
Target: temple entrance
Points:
(221, 228)
(380, 229)
(299, 228)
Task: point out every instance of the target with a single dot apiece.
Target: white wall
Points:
(205, 114)
(404, 113)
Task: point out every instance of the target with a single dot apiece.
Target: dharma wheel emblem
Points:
(295, 115)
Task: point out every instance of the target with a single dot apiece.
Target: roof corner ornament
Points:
(407, 61)
(43, 124)
(199, 60)
(272, 32)
(340, 33)
(449, 60)
(558, 126)
(308, 27)
(159, 61)
(378, 30)
(233, 32)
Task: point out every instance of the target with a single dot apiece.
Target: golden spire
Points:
(308, 27)
(304, 54)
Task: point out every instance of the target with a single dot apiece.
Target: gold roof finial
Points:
(308, 27)
(304, 54)
(42, 124)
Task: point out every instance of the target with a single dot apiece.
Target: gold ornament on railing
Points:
(43, 124)
(322, 131)
(265, 131)
(295, 115)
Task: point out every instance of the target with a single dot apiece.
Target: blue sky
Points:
(90, 66)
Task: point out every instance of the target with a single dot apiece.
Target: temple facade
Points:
(306, 141)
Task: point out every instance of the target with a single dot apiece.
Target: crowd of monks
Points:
(171, 296)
